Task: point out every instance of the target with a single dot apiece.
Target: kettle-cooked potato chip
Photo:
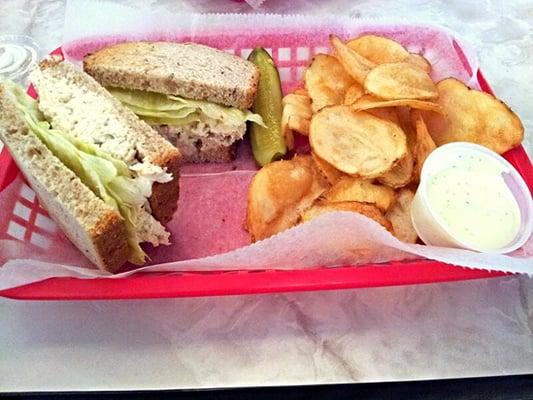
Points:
(400, 81)
(400, 217)
(367, 210)
(388, 114)
(288, 134)
(378, 49)
(356, 143)
(424, 143)
(295, 120)
(356, 65)
(329, 172)
(369, 102)
(354, 93)
(279, 192)
(301, 92)
(419, 61)
(301, 103)
(473, 116)
(296, 116)
(401, 174)
(406, 123)
(361, 190)
(326, 81)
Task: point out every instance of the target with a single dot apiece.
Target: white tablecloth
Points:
(414, 332)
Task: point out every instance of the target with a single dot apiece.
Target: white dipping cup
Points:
(32, 51)
(430, 226)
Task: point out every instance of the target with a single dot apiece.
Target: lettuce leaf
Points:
(109, 178)
(194, 117)
(162, 109)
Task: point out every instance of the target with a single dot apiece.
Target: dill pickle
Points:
(268, 143)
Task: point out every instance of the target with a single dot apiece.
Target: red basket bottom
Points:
(145, 286)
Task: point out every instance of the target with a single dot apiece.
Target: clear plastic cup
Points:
(17, 55)
(430, 226)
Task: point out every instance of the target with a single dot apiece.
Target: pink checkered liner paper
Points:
(29, 221)
(207, 231)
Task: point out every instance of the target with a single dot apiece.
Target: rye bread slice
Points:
(189, 70)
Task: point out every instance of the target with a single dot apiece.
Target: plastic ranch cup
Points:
(463, 182)
(17, 55)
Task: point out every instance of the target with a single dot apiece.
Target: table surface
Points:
(431, 331)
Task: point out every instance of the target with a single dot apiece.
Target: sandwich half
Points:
(99, 171)
(194, 95)
(96, 228)
(74, 102)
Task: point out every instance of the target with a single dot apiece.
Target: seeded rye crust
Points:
(221, 154)
(95, 228)
(190, 70)
(149, 144)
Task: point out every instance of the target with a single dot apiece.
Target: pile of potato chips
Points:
(372, 114)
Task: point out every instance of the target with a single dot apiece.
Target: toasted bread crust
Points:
(221, 154)
(95, 228)
(183, 69)
(164, 199)
(148, 143)
(108, 236)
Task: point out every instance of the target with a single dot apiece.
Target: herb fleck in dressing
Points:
(474, 202)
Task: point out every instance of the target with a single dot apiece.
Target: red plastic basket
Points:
(189, 284)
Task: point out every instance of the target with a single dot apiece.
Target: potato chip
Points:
(356, 143)
(327, 170)
(401, 174)
(296, 122)
(301, 92)
(368, 102)
(378, 49)
(354, 93)
(400, 171)
(296, 115)
(424, 143)
(326, 81)
(365, 99)
(473, 116)
(288, 134)
(361, 190)
(400, 81)
(404, 116)
(300, 101)
(419, 61)
(286, 131)
(279, 192)
(367, 210)
(400, 217)
(388, 114)
(356, 65)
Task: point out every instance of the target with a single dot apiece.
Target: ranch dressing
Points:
(471, 199)
(17, 53)
(12, 58)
